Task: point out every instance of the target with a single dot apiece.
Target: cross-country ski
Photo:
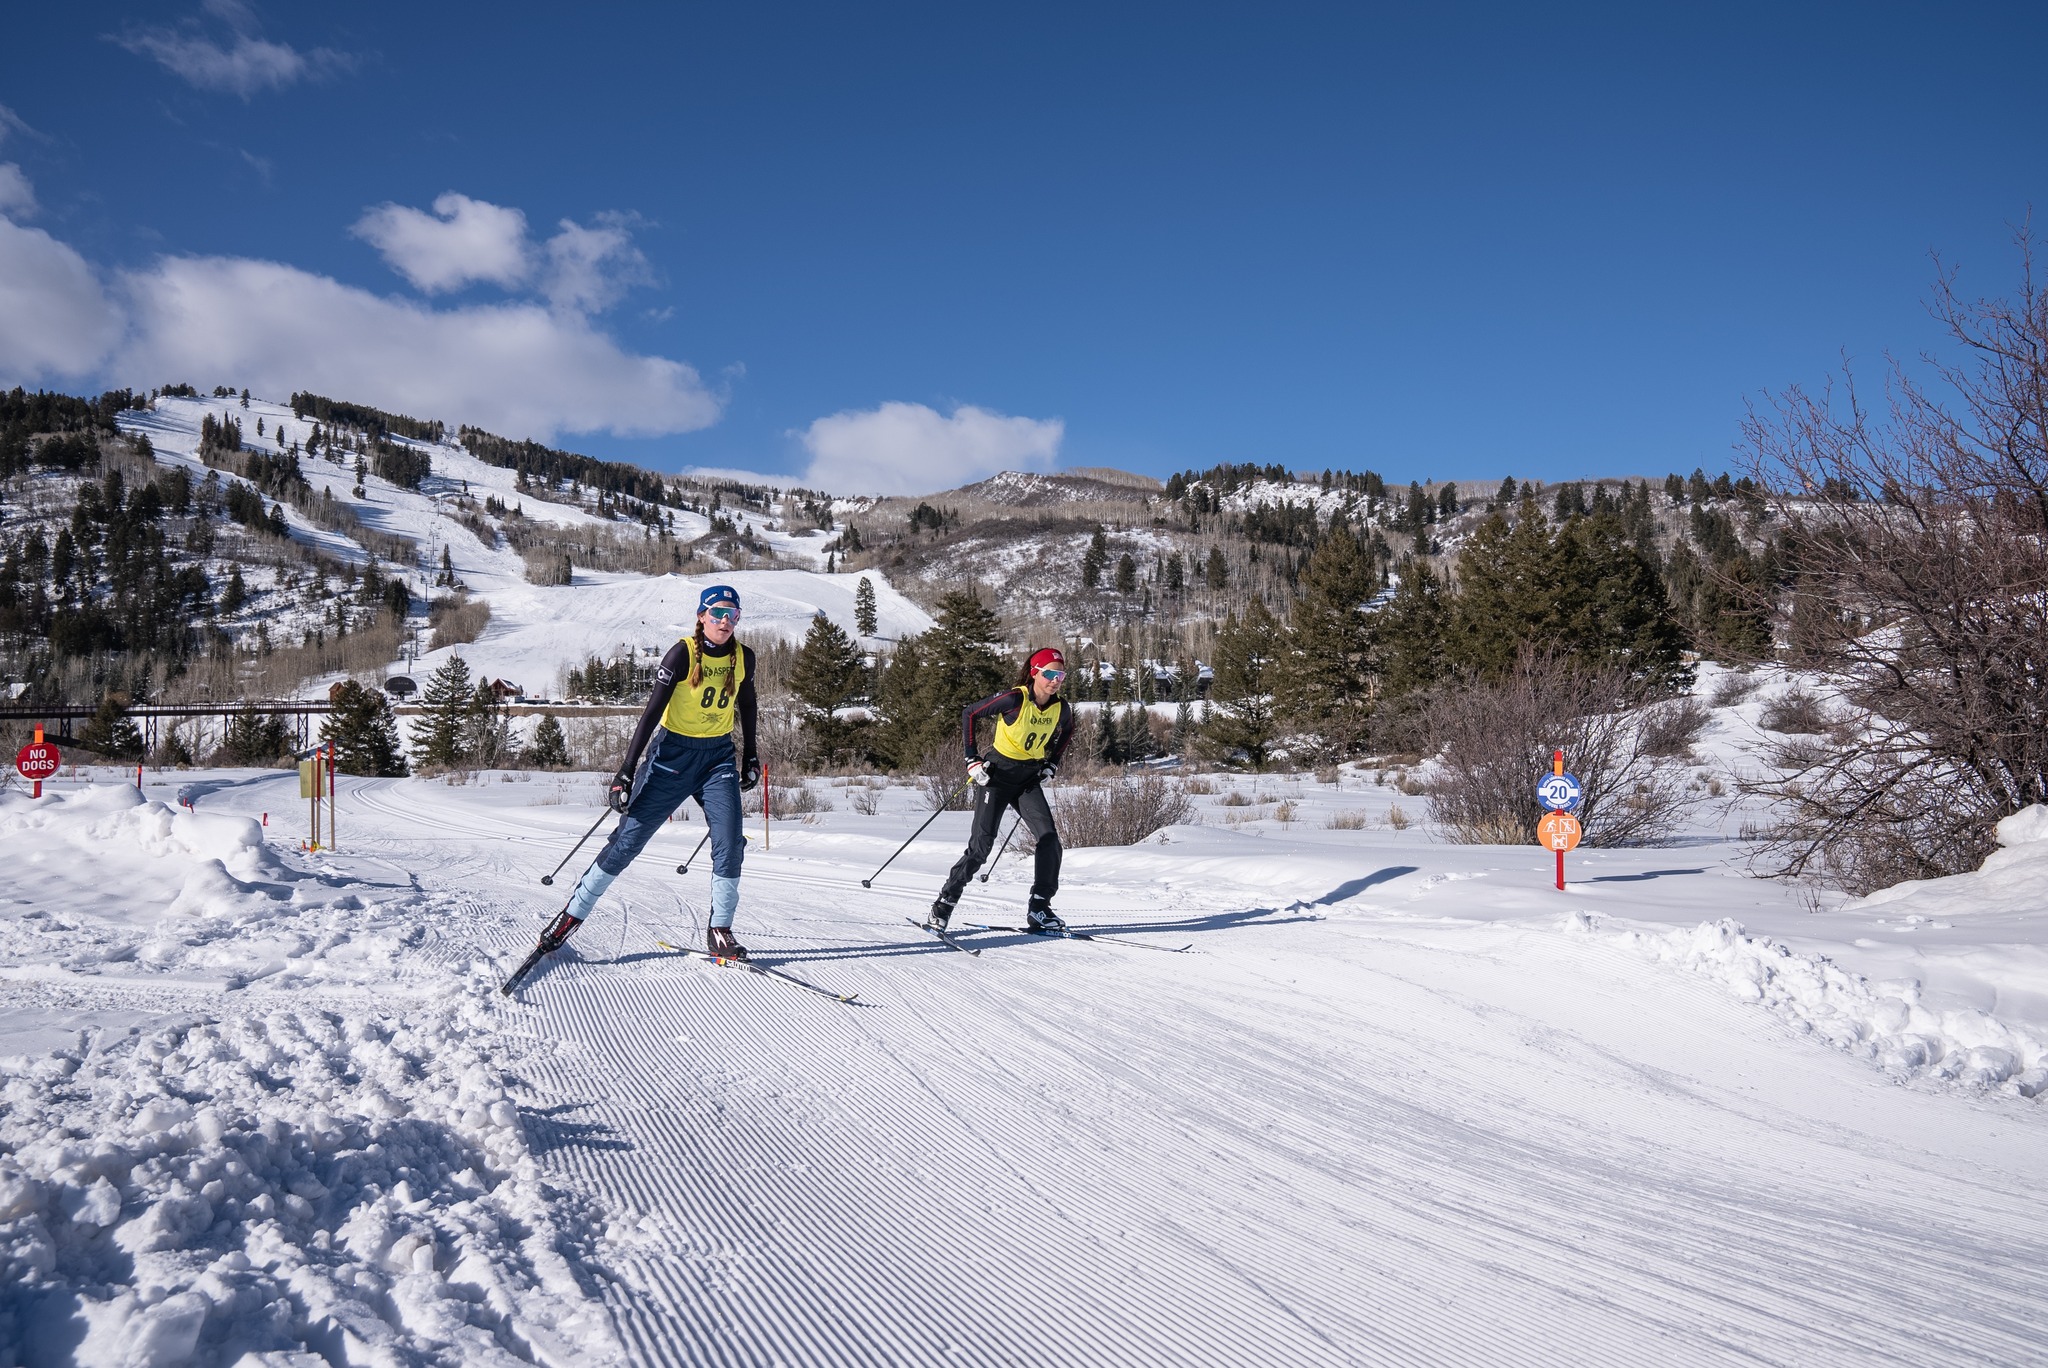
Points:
(764, 970)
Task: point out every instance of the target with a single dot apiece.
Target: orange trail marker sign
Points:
(1559, 831)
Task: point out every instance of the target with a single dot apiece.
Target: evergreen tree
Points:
(1183, 726)
(1134, 735)
(486, 729)
(1408, 634)
(826, 673)
(111, 732)
(254, 738)
(1094, 558)
(864, 617)
(437, 738)
(1126, 574)
(549, 749)
(1246, 650)
(1216, 574)
(935, 675)
(1326, 677)
(363, 732)
(1109, 743)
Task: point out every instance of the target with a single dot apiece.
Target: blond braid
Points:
(697, 654)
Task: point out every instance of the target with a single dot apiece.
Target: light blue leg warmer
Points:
(589, 889)
(725, 899)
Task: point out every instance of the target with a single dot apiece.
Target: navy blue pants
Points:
(678, 768)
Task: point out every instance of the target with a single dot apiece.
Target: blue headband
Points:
(717, 594)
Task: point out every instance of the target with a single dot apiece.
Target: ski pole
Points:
(869, 881)
(684, 867)
(549, 878)
(983, 876)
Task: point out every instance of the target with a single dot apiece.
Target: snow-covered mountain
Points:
(536, 631)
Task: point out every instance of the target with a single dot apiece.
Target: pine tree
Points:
(1109, 744)
(1408, 634)
(486, 729)
(1126, 574)
(1327, 675)
(1216, 574)
(826, 673)
(254, 738)
(1092, 560)
(1246, 649)
(1135, 733)
(235, 595)
(437, 738)
(110, 732)
(363, 732)
(549, 749)
(864, 616)
(935, 675)
(1183, 727)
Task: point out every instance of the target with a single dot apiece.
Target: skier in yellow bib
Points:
(1032, 726)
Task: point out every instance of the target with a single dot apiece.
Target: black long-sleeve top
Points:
(1004, 707)
(675, 666)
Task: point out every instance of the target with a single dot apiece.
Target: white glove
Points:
(978, 772)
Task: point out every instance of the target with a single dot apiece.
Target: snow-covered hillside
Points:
(1395, 1101)
(535, 631)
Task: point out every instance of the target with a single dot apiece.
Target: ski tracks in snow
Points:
(1344, 1149)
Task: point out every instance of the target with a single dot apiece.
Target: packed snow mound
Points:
(1885, 1023)
(103, 882)
(268, 1184)
(2012, 882)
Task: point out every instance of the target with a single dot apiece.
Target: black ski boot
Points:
(941, 913)
(559, 930)
(1041, 920)
(720, 943)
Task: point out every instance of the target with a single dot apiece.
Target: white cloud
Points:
(17, 196)
(521, 369)
(518, 369)
(240, 64)
(463, 240)
(589, 269)
(911, 449)
(580, 269)
(55, 318)
(10, 122)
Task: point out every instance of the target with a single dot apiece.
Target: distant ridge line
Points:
(1111, 475)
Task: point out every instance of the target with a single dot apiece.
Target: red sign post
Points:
(1559, 830)
(37, 761)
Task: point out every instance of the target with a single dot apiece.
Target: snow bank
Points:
(1885, 1023)
(2013, 881)
(303, 1180)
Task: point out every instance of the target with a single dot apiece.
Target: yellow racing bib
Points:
(706, 708)
(1028, 736)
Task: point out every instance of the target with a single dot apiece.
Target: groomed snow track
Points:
(1303, 1146)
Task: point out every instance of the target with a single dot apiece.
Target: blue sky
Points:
(897, 246)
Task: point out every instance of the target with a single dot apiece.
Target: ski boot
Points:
(1041, 920)
(941, 913)
(551, 940)
(720, 943)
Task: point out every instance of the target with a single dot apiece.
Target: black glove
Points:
(1048, 772)
(622, 791)
(750, 773)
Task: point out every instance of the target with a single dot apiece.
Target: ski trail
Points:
(1060, 1154)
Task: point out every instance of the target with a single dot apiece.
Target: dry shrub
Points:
(1237, 798)
(1916, 532)
(1284, 814)
(940, 775)
(1396, 818)
(1674, 728)
(792, 801)
(866, 799)
(457, 621)
(1200, 785)
(1795, 712)
(1119, 813)
(1732, 689)
(1329, 774)
(1495, 741)
(1355, 819)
